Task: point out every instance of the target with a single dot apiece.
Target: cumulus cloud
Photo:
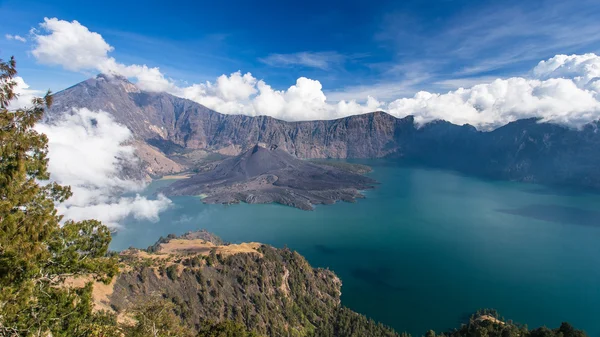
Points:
(74, 47)
(563, 89)
(87, 150)
(15, 37)
(244, 94)
(70, 45)
(584, 70)
(24, 93)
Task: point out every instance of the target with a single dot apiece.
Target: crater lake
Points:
(427, 248)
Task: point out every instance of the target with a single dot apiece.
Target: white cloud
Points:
(487, 106)
(70, 45)
(246, 95)
(25, 94)
(584, 70)
(562, 89)
(319, 60)
(74, 47)
(15, 37)
(87, 151)
(386, 91)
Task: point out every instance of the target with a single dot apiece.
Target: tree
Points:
(37, 253)
(155, 317)
(225, 329)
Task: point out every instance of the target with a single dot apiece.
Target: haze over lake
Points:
(427, 248)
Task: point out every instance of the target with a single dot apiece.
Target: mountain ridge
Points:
(175, 134)
(131, 87)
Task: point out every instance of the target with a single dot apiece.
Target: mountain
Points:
(173, 134)
(186, 132)
(262, 175)
(525, 150)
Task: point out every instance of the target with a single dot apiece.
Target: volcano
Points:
(268, 174)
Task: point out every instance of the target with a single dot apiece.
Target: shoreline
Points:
(175, 176)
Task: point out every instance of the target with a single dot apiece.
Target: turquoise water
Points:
(427, 248)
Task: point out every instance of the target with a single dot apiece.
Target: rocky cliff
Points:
(173, 124)
(273, 292)
(174, 134)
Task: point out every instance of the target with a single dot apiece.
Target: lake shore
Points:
(176, 176)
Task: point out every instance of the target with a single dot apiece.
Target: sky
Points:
(353, 48)
(481, 62)
(485, 63)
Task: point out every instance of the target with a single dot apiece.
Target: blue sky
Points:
(351, 45)
(308, 59)
(349, 50)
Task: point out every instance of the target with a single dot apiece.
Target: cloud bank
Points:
(25, 94)
(87, 150)
(563, 89)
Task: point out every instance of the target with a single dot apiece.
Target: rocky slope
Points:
(273, 292)
(177, 134)
(173, 124)
(178, 126)
(525, 150)
(262, 175)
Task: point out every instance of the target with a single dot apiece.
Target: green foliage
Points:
(276, 294)
(480, 327)
(156, 317)
(172, 272)
(565, 330)
(348, 323)
(225, 329)
(36, 252)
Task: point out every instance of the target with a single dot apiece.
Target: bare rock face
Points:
(189, 134)
(156, 162)
(262, 175)
(173, 124)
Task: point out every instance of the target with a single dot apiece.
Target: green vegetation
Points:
(488, 323)
(155, 317)
(36, 253)
(273, 292)
(225, 329)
